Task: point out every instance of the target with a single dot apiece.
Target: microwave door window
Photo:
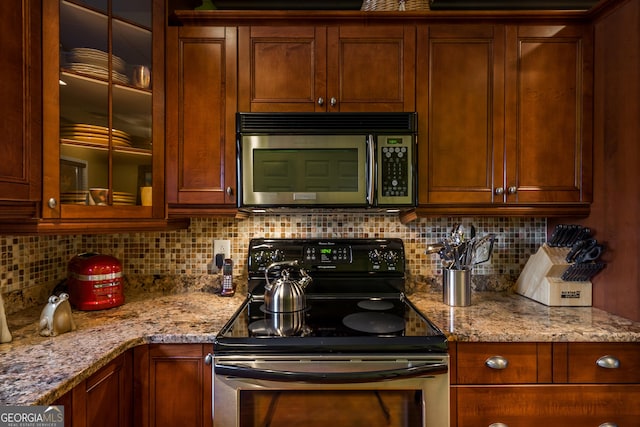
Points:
(310, 172)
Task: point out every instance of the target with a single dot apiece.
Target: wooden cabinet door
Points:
(536, 405)
(281, 68)
(548, 114)
(20, 108)
(460, 89)
(371, 68)
(201, 99)
(326, 68)
(172, 386)
(103, 399)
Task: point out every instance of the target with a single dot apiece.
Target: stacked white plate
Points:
(122, 198)
(74, 197)
(95, 63)
(94, 134)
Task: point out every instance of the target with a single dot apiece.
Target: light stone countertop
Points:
(37, 370)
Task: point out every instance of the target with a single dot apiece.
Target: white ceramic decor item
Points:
(5, 334)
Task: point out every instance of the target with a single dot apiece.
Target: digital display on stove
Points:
(327, 254)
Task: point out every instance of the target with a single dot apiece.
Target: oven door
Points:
(305, 170)
(348, 390)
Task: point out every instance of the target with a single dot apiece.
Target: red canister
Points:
(95, 281)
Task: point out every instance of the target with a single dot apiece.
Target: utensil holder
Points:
(456, 287)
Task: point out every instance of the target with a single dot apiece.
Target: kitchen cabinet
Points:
(201, 93)
(103, 399)
(103, 118)
(554, 383)
(20, 76)
(172, 385)
(508, 111)
(348, 67)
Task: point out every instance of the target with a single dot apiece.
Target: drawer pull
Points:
(608, 362)
(608, 425)
(497, 362)
(504, 425)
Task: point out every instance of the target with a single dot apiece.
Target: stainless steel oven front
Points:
(392, 390)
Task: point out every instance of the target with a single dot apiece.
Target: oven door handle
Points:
(240, 371)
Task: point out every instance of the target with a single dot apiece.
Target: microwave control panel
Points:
(395, 169)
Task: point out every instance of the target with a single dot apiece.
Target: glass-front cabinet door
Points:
(102, 156)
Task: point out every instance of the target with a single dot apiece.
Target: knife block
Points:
(541, 280)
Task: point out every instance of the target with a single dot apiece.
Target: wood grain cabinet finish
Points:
(201, 99)
(461, 111)
(20, 76)
(172, 386)
(506, 111)
(548, 114)
(327, 68)
(104, 399)
(536, 383)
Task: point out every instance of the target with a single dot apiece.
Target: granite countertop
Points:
(37, 370)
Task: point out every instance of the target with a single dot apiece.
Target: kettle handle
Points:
(293, 263)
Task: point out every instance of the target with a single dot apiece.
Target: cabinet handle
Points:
(498, 425)
(229, 191)
(321, 101)
(497, 362)
(499, 191)
(512, 190)
(608, 362)
(208, 359)
(333, 101)
(52, 203)
(608, 425)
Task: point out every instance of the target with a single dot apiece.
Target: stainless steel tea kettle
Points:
(285, 295)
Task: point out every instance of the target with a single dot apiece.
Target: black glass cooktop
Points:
(332, 324)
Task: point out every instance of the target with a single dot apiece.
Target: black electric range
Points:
(355, 304)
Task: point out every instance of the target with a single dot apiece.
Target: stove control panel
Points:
(351, 256)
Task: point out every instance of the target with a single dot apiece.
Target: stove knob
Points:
(260, 257)
(277, 256)
(375, 256)
(392, 257)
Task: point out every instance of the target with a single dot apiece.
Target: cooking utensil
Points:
(590, 252)
(582, 272)
(285, 294)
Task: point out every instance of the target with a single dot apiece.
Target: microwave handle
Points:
(371, 147)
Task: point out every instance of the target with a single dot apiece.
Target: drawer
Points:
(551, 405)
(602, 363)
(503, 363)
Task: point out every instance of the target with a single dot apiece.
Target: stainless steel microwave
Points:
(326, 160)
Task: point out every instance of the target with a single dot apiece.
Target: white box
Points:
(541, 280)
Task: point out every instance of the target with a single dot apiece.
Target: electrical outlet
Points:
(222, 247)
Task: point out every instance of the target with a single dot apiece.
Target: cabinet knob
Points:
(512, 190)
(52, 203)
(608, 425)
(229, 191)
(208, 359)
(496, 362)
(498, 425)
(321, 101)
(499, 191)
(608, 362)
(333, 101)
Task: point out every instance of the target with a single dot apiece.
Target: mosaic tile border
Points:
(31, 266)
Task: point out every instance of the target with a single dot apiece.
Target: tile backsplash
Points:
(32, 265)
